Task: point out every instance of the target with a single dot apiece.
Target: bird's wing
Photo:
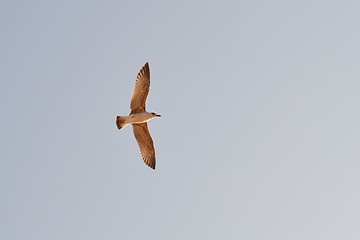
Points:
(141, 90)
(145, 143)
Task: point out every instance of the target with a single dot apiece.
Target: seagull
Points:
(139, 117)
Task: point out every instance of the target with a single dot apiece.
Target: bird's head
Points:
(156, 115)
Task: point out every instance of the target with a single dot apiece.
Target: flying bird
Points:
(139, 117)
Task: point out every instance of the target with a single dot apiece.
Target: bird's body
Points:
(135, 118)
(139, 117)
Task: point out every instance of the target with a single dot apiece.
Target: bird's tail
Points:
(120, 122)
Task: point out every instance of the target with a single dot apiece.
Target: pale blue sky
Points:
(259, 135)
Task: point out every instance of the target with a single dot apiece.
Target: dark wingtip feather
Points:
(150, 165)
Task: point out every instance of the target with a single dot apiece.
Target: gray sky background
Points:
(259, 135)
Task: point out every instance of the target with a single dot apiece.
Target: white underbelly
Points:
(139, 118)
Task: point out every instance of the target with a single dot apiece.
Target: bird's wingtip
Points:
(151, 166)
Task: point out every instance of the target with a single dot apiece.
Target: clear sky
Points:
(259, 134)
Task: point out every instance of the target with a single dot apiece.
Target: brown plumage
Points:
(145, 143)
(141, 90)
(138, 117)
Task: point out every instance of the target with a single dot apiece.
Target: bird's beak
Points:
(158, 115)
